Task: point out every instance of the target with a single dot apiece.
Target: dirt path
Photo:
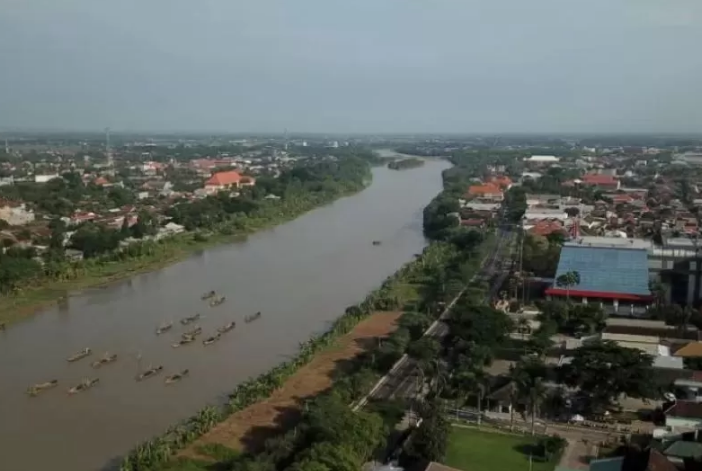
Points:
(247, 429)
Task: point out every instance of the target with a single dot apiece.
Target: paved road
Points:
(403, 380)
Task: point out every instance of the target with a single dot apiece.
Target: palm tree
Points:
(529, 377)
(568, 280)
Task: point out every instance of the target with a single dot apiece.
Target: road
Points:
(402, 380)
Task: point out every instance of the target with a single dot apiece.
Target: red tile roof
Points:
(544, 228)
(502, 181)
(224, 178)
(472, 222)
(100, 181)
(486, 189)
(596, 179)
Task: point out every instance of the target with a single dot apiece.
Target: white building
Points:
(44, 178)
(542, 159)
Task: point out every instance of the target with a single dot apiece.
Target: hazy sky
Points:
(352, 65)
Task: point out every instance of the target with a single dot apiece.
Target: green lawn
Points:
(473, 450)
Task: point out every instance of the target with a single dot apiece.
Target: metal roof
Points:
(606, 269)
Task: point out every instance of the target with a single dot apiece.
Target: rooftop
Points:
(605, 272)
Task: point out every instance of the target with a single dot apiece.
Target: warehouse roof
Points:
(605, 272)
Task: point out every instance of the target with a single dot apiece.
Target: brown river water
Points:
(300, 275)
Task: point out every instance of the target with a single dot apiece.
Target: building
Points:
(684, 415)
(230, 180)
(690, 158)
(44, 178)
(486, 191)
(611, 276)
(542, 159)
(16, 214)
(603, 182)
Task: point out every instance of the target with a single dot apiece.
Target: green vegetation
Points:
(404, 164)
(474, 450)
(27, 283)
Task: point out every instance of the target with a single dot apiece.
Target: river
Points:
(301, 275)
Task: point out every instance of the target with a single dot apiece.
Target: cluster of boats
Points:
(186, 338)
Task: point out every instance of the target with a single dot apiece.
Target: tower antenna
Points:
(108, 152)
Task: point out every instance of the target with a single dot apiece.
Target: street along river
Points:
(300, 275)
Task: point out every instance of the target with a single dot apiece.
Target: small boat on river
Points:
(104, 360)
(190, 320)
(217, 301)
(164, 328)
(186, 339)
(37, 388)
(209, 295)
(151, 372)
(192, 333)
(252, 318)
(84, 385)
(82, 354)
(177, 377)
(226, 328)
(376, 242)
(212, 339)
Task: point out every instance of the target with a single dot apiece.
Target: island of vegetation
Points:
(404, 164)
(102, 223)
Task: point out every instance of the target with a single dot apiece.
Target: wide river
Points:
(300, 275)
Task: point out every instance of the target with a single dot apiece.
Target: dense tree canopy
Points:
(605, 370)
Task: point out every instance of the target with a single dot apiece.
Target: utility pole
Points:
(286, 140)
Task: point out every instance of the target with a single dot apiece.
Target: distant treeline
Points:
(405, 164)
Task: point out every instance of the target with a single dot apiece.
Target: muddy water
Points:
(301, 275)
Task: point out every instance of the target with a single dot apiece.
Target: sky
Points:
(353, 66)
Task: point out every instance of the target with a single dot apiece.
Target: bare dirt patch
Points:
(246, 430)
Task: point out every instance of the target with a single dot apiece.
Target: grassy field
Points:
(475, 450)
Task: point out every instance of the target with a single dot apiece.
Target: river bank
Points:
(174, 249)
(291, 273)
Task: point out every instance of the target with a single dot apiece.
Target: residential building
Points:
(603, 182)
(486, 191)
(229, 180)
(684, 415)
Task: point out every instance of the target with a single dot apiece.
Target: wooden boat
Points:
(82, 354)
(37, 388)
(252, 318)
(217, 301)
(209, 295)
(183, 341)
(376, 242)
(190, 320)
(84, 385)
(176, 377)
(151, 372)
(226, 328)
(211, 340)
(192, 333)
(164, 328)
(104, 360)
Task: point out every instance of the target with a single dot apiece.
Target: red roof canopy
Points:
(224, 178)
